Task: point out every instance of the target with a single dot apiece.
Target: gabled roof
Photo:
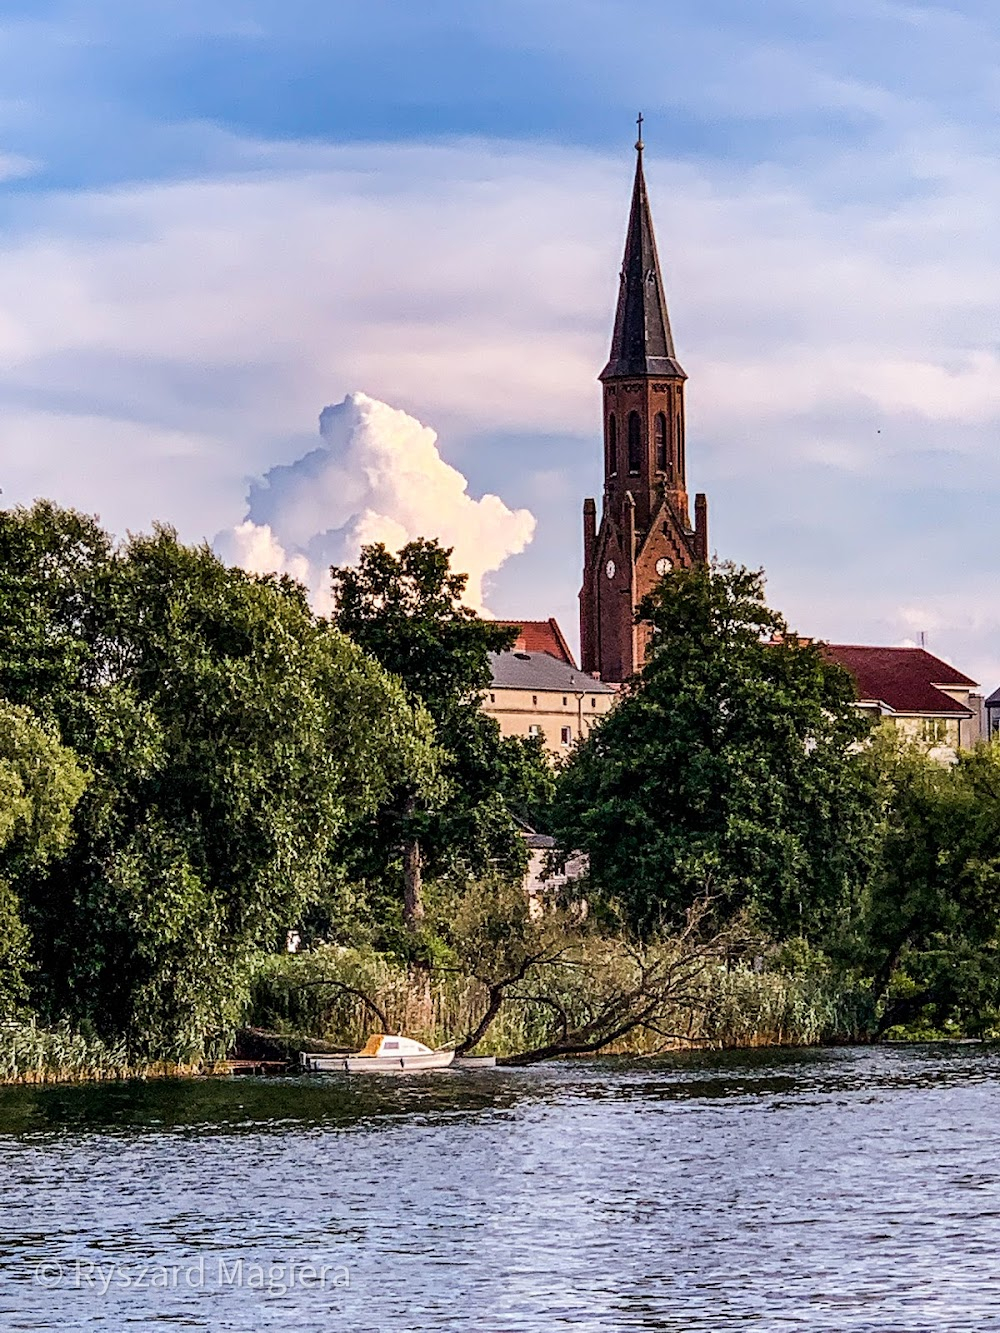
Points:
(904, 680)
(541, 636)
(540, 671)
(642, 343)
(994, 698)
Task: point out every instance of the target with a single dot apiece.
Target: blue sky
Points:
(216, 218)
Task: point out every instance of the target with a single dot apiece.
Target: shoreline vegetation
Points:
(230, 827)
(738, 1008)
(331, 999)
(35, 1056)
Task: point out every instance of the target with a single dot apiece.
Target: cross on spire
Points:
(638, 143)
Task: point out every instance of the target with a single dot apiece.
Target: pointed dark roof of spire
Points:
(642, 343)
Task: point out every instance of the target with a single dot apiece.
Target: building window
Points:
(493, 698)
(934, 731)
(593, 703)
(534, 701)
(534, 729)
(567, 735)
(661, 442)
(634, 443)
(612, 459)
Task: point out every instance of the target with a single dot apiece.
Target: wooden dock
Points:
(257, 1067)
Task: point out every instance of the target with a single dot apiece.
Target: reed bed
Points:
(315, 994)
(33, 1055)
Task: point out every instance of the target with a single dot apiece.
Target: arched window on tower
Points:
(660, 434)
(634, 444)
(612, 459)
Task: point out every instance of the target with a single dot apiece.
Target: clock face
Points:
(609, 569)
(663, 566)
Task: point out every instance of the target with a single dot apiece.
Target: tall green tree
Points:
(41, 782)
(233, 742)
(55, 569)
(928, 932)
(728, 769)
(406, 611)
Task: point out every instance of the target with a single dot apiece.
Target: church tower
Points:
(645, 526)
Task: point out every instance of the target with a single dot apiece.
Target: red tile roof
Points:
(904, 679)
(541, 636)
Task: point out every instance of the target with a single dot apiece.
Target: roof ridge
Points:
(881, 647)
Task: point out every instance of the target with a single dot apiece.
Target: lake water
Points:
(832, 1190)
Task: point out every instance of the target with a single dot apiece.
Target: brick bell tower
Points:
(645, 527)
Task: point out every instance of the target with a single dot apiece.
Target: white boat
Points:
(382, 1054)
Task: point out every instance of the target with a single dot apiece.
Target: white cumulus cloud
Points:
(377, 477)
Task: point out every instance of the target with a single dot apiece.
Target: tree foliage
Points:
(191, 762)
(234, 742)
(728, 770)
(41, 782)
(406, 611)
(929, 927)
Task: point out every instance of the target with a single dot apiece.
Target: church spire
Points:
(642, 343)
(645, 529)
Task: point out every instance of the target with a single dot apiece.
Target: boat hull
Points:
(378, 1064)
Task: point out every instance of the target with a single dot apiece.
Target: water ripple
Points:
(821, 1190)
